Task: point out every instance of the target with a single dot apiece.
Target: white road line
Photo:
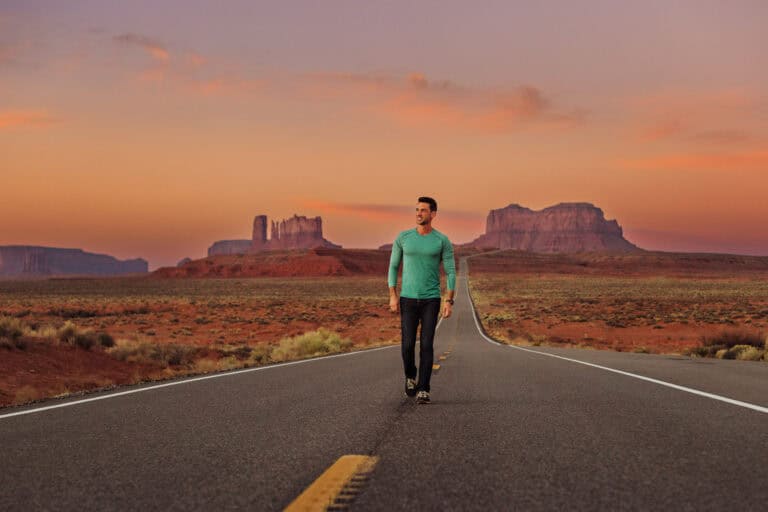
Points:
(731, 401)
(187, 381)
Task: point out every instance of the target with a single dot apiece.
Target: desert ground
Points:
(647, 302)
(64, 336)
(59, 336)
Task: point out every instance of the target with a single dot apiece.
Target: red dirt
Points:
(294, 263)
(643, 263)
(44, 370)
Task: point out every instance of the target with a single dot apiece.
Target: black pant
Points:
(413, 312)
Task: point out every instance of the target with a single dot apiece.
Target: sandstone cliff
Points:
(566, 227)
(224, 247)
(297, 232)
(31, 261)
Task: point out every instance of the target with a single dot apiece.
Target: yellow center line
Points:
(435, 366)
(322, 493)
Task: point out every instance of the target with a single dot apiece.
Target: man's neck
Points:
(423, 229)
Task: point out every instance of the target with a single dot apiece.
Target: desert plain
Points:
(64, 336)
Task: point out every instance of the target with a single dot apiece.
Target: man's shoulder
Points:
(405, 234)
(442, 235)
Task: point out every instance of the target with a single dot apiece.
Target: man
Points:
(420, 249)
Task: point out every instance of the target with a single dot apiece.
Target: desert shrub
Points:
(73, 312)
(744, 353)
(723, 345)
(169, 354)
(259, 355)
(699, 351)
(106, 340)
(731, 338)
(205, 365)
(499, 318)
(85, 340)
(26, 394)
(242, 352)
(67, 332)
(173, 354)
(229, 363)
(312, 343)
(11, 328)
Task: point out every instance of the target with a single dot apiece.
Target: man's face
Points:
(423, 214)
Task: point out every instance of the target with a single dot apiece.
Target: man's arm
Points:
(449, 265)
(394, 267)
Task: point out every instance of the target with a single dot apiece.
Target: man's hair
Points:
(431, 202)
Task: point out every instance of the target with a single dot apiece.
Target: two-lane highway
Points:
(507, 429)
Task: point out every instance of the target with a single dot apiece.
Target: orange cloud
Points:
(388, 213)
(153, 48)
(195, 60)
(747, 161)
(25, 118)
(417, 101)
(189, 74)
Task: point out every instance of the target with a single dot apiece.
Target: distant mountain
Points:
(565, 227)
(33, 261)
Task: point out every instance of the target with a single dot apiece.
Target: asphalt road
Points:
(508, 429)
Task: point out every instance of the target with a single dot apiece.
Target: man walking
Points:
(420, 249)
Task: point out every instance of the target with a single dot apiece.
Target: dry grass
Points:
(733, 344)
(310, 344)
(143, 351)
(27, 394)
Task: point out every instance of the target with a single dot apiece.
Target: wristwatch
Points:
(449, 301)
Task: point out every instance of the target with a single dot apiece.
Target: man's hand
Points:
(447, 309)
(394, 304)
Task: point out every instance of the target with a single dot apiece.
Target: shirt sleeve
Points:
(449, 264)
(394, 262)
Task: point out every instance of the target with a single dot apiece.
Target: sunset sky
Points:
(153, 128)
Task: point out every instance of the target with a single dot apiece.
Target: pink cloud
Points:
(417, 101)
(192, 73)
(153, 48)
(11, 119)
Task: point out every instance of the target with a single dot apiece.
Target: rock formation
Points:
(566, 227)
(183, 261)
(223, 247)
(297, 232)
(31, 261)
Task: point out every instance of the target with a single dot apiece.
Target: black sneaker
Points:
(422, 397)
(410, 387)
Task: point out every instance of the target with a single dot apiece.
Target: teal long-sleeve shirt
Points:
(421, 256)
